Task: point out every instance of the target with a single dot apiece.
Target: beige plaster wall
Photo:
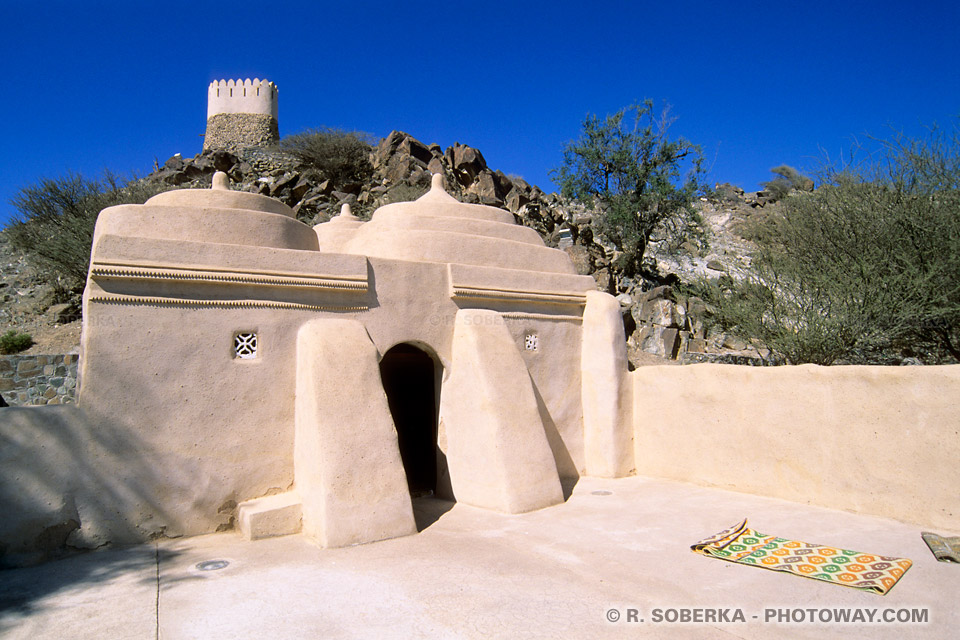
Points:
(553, 369)
(199, 431)
(210, 430)
(65, 482)
(220, 430)
(413, 305)
(877, 440)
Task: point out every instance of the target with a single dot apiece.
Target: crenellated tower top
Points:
(241, 114)
(242, 96)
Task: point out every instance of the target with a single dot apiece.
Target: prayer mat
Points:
(866, 571)
(944, 549)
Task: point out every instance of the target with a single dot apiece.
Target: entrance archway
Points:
(410, 378)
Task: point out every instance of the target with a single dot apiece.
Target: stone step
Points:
(270, 516)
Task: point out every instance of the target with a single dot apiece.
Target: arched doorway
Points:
(410, 378)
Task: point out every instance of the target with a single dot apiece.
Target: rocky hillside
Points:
(660, 323)
(29, 305)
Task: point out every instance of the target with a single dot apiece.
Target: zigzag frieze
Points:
(219, 304)
(237, 277)
(514, 294)
(518, 315)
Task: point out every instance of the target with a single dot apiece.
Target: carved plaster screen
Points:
(245, 345)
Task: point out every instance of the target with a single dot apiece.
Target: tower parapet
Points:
(240, 114)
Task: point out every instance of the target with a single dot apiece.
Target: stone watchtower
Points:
(241, 113)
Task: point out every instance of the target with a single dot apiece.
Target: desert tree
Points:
(641, 183)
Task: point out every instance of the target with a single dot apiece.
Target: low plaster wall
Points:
(36, 380)
(876, 440)
(65, 483)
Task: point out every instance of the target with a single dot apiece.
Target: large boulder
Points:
(466, 162)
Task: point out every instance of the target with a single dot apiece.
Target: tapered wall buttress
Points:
(347, 465)
(496, 448)
(606, 393)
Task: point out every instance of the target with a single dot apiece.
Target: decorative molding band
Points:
(220, 304)
(490, 293)
(136, 272)
(512, 315)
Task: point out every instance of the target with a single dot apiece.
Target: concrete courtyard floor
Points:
(556, 573)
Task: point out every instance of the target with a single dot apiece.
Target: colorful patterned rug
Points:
(865, 571)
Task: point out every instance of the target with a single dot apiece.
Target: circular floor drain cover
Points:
(212, 565)
(602, 493)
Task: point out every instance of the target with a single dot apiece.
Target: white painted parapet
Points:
(242, 96)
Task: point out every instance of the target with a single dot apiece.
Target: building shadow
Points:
(567, 485)
(427, 510)
(566, 468)
(78, 492)
(24, 590)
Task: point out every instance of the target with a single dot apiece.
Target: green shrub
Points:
(405, 193)
(865, 269)
(342, 157)
(787, 180)
(56, 217)
(15, 342)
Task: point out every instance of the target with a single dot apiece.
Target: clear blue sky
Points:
(97, 85)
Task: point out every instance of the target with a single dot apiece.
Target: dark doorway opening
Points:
(410, 379)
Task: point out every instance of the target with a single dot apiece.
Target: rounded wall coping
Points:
(468, 226)
(204, 223)
(438, 228)
(220, 197)
(437, 202)
(430, 245)
(442, 209)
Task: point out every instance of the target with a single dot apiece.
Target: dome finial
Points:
(220, 181)
(437, 192)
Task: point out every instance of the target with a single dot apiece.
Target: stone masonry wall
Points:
(233, 131)
(36, 380)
